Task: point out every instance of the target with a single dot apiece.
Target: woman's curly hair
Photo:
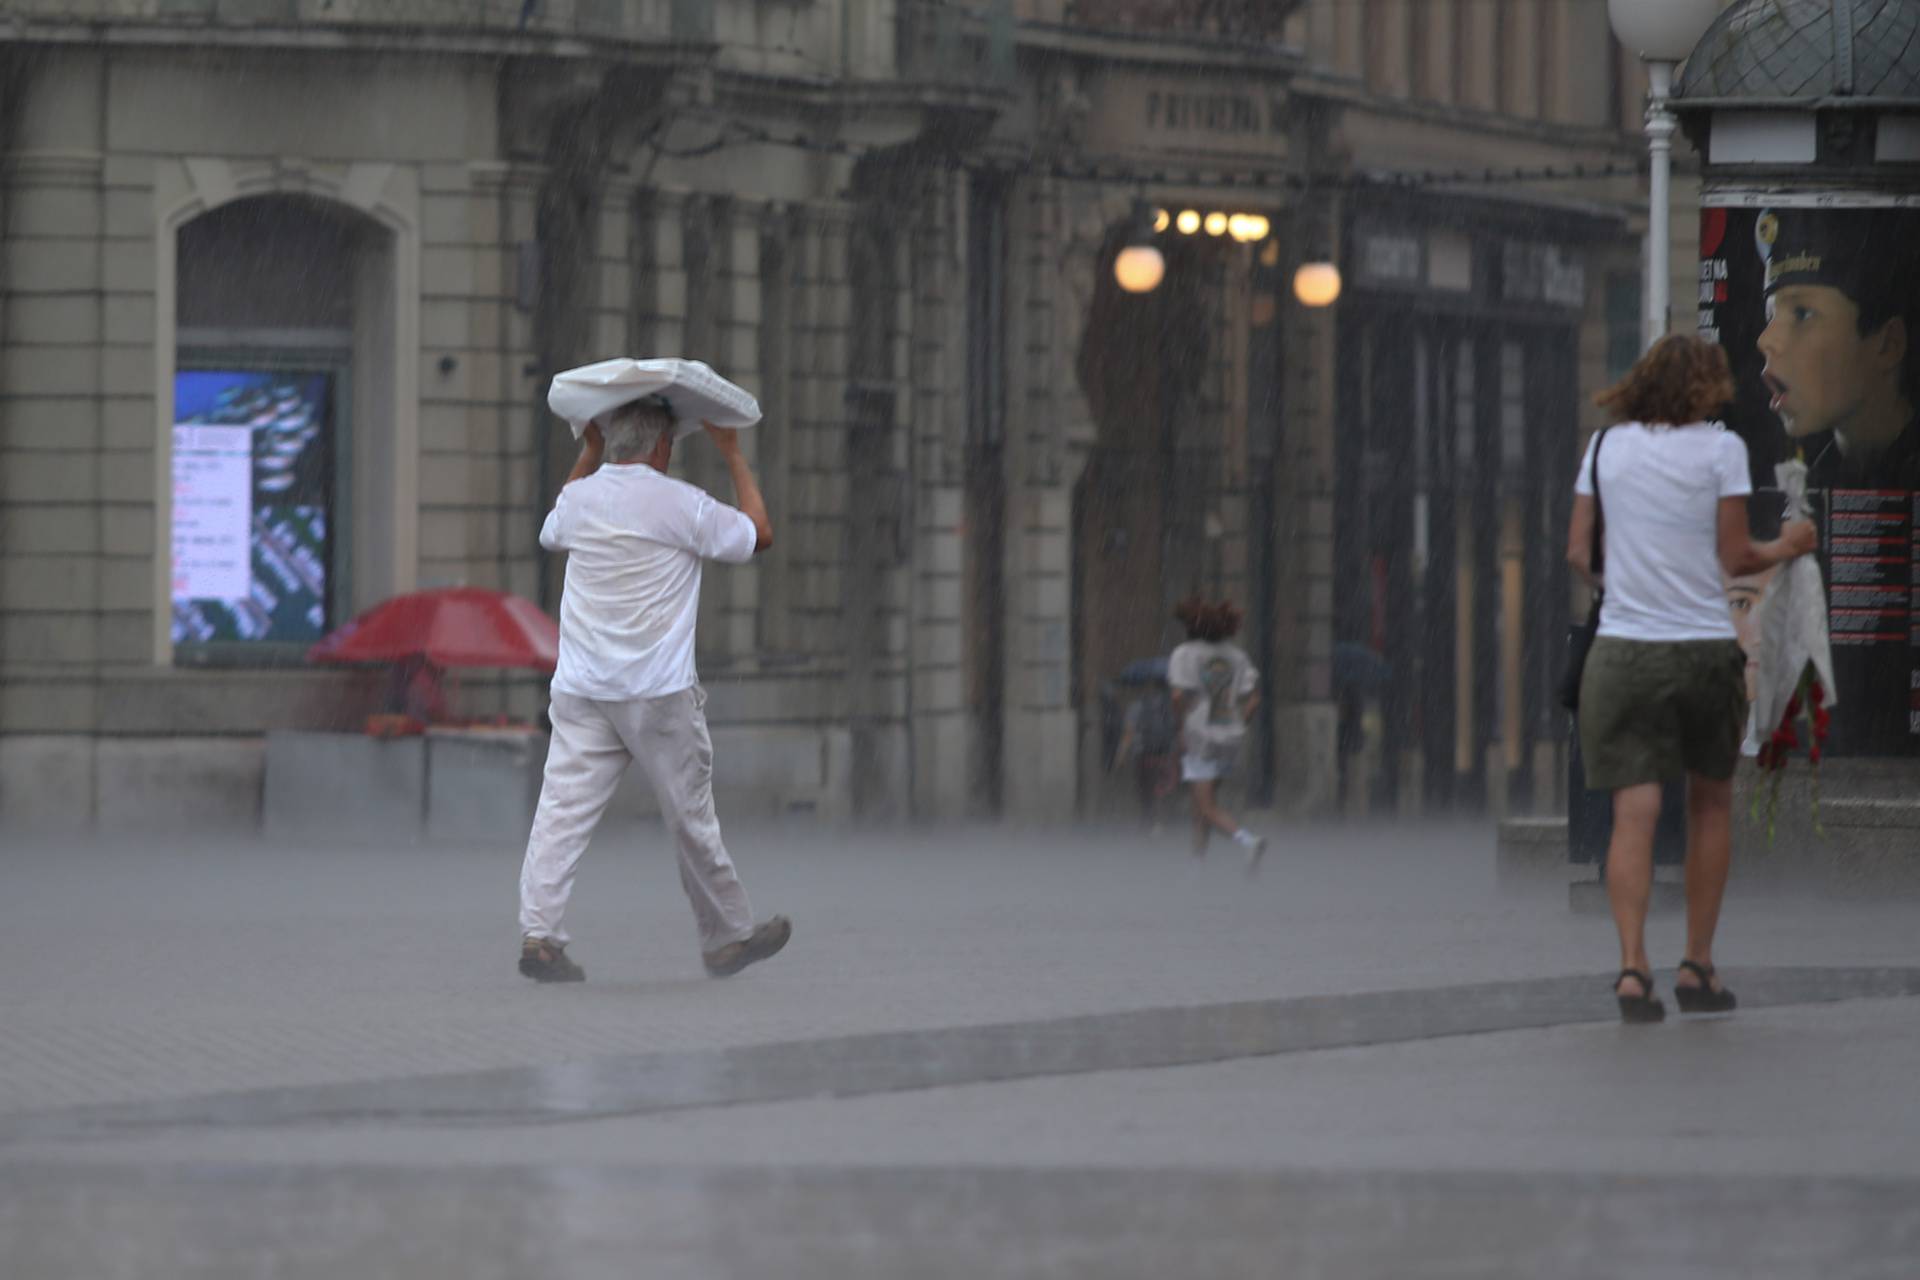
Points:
(1210, 622)
(1681, 379)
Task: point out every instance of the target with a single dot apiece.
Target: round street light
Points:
(1140, 268)
(1662, 30)
(1248, 228)
(1188, 221)
(1162, 219)
(1216, 224)
(1317, 284)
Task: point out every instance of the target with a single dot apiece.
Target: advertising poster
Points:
(1816, 299)
(252, 479)
(212, 512)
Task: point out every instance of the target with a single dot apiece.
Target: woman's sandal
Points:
(1640, 1008)
(1703, 998)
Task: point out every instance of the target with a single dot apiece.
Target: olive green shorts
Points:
(1653, 710)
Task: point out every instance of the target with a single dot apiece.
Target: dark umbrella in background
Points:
(1360, 669)
(1143, 671)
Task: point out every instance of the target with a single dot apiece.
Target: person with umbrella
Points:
(625, 688)
(1148, 735)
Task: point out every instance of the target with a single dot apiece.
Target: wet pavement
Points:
(509, 1224)
(985, 1053)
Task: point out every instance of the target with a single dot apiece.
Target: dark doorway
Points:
(1139, 506)
(1454, 452)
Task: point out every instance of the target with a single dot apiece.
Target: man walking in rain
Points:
(625, 687)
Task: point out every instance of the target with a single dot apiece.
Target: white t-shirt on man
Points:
(634, 540)
(1660, 492)
(1219, 677)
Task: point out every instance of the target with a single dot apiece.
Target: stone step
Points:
(1872, 812)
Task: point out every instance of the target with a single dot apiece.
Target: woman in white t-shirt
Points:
(1664, 691)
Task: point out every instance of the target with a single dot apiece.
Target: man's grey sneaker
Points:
(724, 962)
(545, 960)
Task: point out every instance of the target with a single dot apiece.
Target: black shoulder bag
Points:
(1580, 637)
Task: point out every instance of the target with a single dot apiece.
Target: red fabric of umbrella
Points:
(448, 627)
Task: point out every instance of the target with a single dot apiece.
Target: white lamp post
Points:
(1663, 33)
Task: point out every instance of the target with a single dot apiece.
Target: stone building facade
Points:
(895, 221)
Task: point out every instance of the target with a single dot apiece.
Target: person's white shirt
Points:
(1220, 676)
(635, 540)
(1660, 492)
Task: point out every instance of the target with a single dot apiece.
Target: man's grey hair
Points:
(633, 430)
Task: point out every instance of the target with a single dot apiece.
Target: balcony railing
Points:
(955, 42)
(1235, 21)
(652, 20)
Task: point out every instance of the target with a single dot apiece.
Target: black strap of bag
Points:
(1580, 638)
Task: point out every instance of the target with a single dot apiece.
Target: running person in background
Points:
(1215, 689)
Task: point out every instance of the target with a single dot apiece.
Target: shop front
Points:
(1457, 433)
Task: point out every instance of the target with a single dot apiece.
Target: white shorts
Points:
(1210, 763)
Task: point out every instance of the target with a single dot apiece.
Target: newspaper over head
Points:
(694, 392)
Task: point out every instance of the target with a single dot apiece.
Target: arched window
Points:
(277, 301)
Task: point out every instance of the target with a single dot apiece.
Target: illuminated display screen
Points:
(252, 509)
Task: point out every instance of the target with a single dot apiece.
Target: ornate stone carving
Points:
(1063, 111)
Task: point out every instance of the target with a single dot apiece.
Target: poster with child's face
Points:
(1744, 597)
(1816, 298)
(1818, 307)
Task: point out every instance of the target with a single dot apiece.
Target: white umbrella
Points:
(694, 392)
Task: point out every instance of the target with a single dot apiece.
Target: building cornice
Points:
(1351, 94)
(751, 91)
(1158, 49)
(1831, 102)
(56, 168)
(398, 41)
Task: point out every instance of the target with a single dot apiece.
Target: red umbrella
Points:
(448, 627)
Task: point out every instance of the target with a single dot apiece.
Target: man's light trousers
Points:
(592, 745)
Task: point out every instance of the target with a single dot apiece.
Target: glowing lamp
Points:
(1317, 284)
(1139, 268)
